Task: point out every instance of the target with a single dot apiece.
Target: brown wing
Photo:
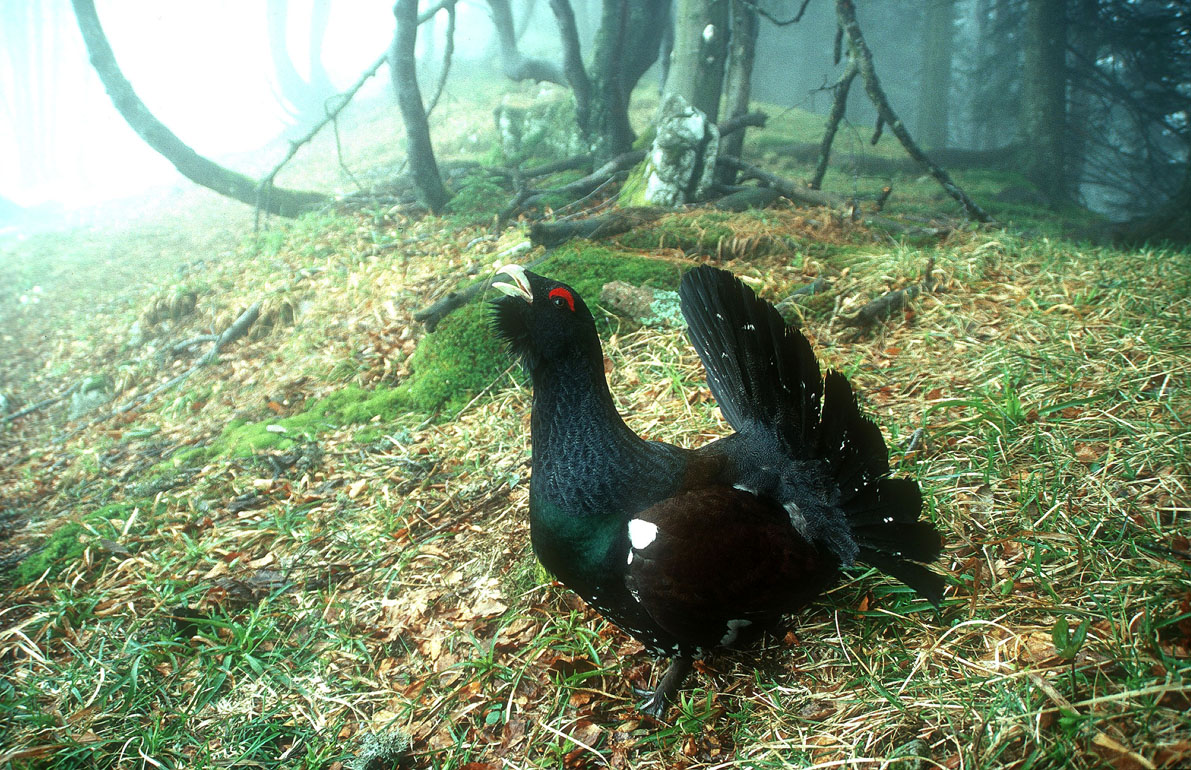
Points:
(711, 561)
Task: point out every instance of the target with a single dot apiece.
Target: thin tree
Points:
(934, 98)
(858, 50)
(420, 150)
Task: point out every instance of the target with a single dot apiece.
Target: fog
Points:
(202, 68)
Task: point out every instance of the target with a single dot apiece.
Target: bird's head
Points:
(541, 319)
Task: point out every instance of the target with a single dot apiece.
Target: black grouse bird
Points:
(687, 550)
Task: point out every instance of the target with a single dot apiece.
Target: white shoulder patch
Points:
(734, 627)
(642, 533)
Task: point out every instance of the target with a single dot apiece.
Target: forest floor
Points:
(313, 552)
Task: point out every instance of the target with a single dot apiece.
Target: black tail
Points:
(766, 380)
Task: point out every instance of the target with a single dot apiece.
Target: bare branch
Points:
(839, 107)
(859, 52)
(447, 53)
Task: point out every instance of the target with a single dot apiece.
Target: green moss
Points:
(66, 544)
(632, 192)
(645, 140)
(587, 267)
(461, 358)
(478, 195)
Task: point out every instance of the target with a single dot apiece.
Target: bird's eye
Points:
(562, 298)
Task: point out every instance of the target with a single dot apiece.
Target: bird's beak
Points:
(520, 285)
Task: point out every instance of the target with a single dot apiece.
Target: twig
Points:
(915, 440)
(432, 315)
(773, 19)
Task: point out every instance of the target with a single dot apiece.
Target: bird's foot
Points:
(653, 702)
(656, 700)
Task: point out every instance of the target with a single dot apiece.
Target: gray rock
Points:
(92, 394)
(681, 164)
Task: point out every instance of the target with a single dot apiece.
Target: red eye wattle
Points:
(564, 295)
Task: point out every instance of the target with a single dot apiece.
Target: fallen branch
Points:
(41, 404)
(527, 197)
(814, 287)
(795, 191)
(887, 303)
(238, 329)
(432, 315)
(586, 184)
(805, 196)
(184, 345)
(619, 221)
(233, 332)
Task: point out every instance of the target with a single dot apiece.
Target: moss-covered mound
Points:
(463, 356)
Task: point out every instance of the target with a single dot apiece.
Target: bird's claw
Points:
(653, 702)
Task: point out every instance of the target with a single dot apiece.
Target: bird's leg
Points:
(656, 701)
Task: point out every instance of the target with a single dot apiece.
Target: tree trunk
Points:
(700, 50)
(1044, 107)
(287, 203)
(742, 49)
(934, 100)
(626, 45)
(516, 66)
(1171, 222)
(422, 165)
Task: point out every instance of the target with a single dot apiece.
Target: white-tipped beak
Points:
(520, 285)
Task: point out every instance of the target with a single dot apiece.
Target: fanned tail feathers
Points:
(765, 378)
(762, 372)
